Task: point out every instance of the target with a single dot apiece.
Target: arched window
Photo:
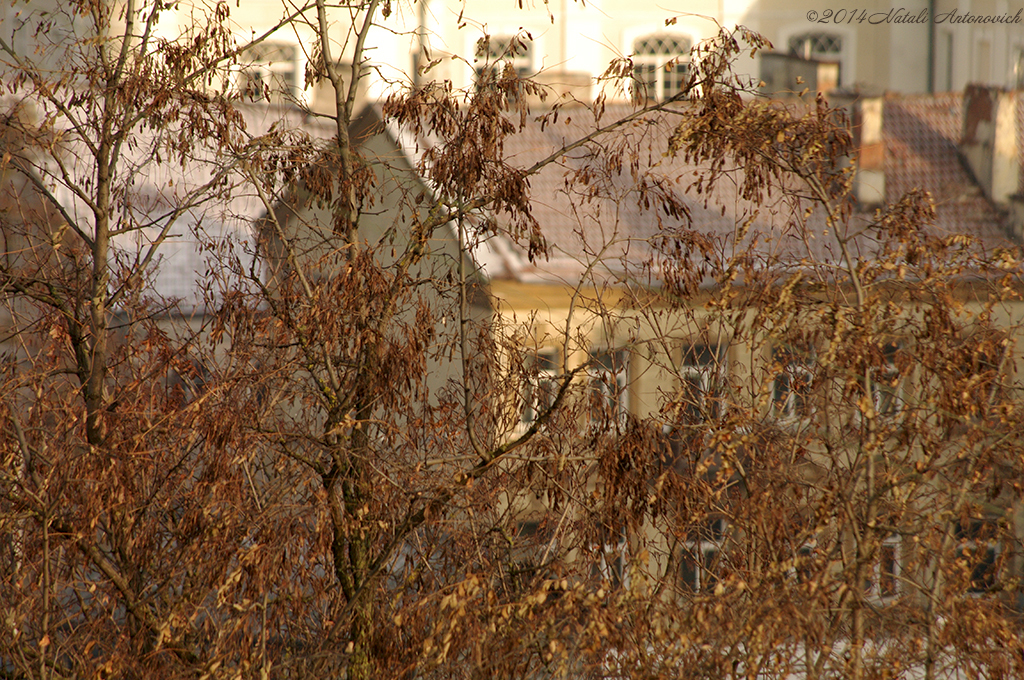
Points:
(816, 45)
(820, 46)
(660, 65)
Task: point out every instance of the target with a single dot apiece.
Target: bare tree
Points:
(350, 461)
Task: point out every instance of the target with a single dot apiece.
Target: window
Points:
(269, 71)
(533, 548)
(608, 386)
(699, 377)
(807, 564)
(889, 568)
(660, 66)
(187, 381)
(977, 385)
(818, 46)
(542, 384)
(794, 377)
(886, 382)
(977, 554)
(884, 583)
(501, 51)
(700, 557)
(610, 567)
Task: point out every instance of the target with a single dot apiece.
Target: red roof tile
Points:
(920, 136)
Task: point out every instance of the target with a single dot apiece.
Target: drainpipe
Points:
(931, 47)
(564, 53)
(421, 57)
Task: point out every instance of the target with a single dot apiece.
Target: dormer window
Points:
(660, 66)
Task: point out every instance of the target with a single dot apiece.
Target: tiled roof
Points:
(182, 262)
(921, 135)
(605, 219)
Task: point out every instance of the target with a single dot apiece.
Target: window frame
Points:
(500, 51)
(802, 45)
(707, 546)
(660, 75)
(541, 379)
(535, 538)
(614, 572)
(608, 386)
(796, 404)
(805, 561)
(984, 534)
(884, 583)
(705, 376)
(806, 45)
(887, 384)
(277, 81)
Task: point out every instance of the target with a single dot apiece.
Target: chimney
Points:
(988, 144)
(1015, 219)
(784, 75)
(869, 183)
